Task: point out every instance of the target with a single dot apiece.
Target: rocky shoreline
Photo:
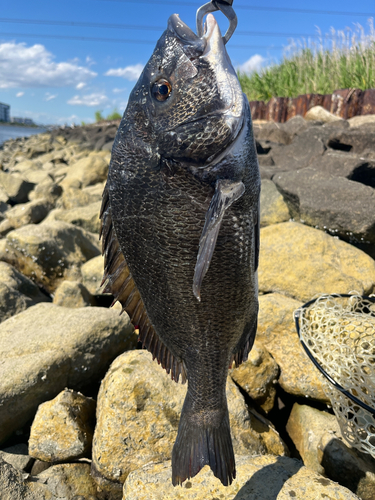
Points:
(85, 414)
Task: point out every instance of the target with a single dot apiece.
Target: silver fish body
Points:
(180, 227)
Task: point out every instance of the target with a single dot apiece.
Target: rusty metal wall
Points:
(345, 103)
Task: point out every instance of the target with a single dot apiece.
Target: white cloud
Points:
(20, 94)
(49, 96)
(130, 73)
(118, 91)
(22, 66)
(94, 99)
(80, 85)
(255, 63)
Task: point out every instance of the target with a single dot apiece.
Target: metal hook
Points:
(225, 6)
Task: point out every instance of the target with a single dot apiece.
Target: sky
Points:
(60, 62)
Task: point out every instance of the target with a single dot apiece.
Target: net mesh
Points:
(340, 333)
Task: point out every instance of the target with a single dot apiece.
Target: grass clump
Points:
(343, 59)
(115, 115)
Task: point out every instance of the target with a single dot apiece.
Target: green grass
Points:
(342, 60)
(115, 115)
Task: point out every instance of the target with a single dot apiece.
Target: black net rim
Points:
(297, 315)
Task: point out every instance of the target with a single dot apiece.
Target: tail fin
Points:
(197, 446)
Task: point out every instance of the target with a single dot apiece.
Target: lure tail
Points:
(203, 440)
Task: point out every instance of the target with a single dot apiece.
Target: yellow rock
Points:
(258, 478)
(273, 208)
(257, 376)
(138, 413)
(301, 262)
(63, 428)
(277, 332)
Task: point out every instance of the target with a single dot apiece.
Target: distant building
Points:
(4, 112)
(24, 121)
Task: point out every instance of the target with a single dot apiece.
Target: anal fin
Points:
(119, 283)
(226, 193)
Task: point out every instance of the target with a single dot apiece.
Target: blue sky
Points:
(49, 73)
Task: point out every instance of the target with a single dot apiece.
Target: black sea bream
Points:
(180, 229)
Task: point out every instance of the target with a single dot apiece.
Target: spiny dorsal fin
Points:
(120, 284)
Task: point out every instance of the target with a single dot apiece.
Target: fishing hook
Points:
(225, 6)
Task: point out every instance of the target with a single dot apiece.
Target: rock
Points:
(73, 294)
(353, 469)
(73, 197)
(320, 114)
(86, 217)
(48, 190)
(257, 376)
(277, 333)
(346, 208)
(17, 292)
(295, 125)
(137, 420)
(333, 266)
(5, 227)
(62, 429)
(92, 273)
(51, 251)
(47, 348)
(353, 140)
(273, 132)
(341, 164)
(87, 171)
(60, 482)
(28, 213)
(337, 124)
(273, 208)
(16, 188)
(358, 121)
(306, 146)
(69, 481)
(39, 467)
(258, 478)
(18, 456)
(306, 426)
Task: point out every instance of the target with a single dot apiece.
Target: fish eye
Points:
(161, 90)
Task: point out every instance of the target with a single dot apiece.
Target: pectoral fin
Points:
(226, 193)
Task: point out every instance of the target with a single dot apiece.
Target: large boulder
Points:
(47, 348)
(86, 217)
(273, 208)
(258, 478)
(87, 171)
(318, 113)
(346, 208)
(15, 187)
(29, 213)
(51, 251)
(353, 140)
(300, 261)
(277, 333)
(138, 413)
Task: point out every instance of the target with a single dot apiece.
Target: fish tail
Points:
(203, 441)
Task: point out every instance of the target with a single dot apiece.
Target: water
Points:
(12, 132)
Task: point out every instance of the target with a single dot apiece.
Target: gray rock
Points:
(295, 125)
(48, 190)
(87, 171)
(273, 132)
(51, 251)
(320, 114)
(18, 456)
(73, 197)
(347, 165)
(353, 140)
(343, 207)
(62, 429)
(47, 348)
(16, 188)
(306, 146)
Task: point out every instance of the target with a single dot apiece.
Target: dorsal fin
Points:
(120, 284)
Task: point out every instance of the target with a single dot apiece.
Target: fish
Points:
(180, 231)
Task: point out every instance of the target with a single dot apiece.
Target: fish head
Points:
(188, 102)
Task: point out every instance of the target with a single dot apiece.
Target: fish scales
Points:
(182, 199)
